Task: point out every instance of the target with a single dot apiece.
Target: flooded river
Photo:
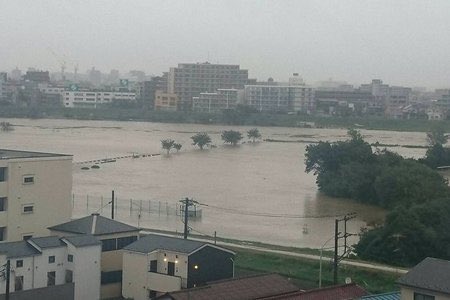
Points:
(256, 192)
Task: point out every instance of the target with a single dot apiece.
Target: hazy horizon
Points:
(401, 42)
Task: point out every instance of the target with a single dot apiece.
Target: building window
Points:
(153, 266)
(2, 233)
(125, 241)
(3, 172)
(28, 179)
(111, 277)
(51, 259)
(70, 258)
(18, 283)
(19, 263)
(109, 245)
(28, 209)
(69, 276)
(418, 296)
(151, 294)
(3, 203)
(51, 278)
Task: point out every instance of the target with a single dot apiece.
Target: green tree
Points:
(437, 136)
(177, 146)
(167, 144)
(232, 137)
(254, 134)
(201, 140)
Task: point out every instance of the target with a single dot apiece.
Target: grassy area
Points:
(305, 273)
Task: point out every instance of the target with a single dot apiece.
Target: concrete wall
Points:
(50, 195)
(408, 294)
(134, 276)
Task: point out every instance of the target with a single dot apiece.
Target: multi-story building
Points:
(145, 92)
(92, 99)
(294, 96)
(189, 80)
(342, 102)
(53, 268)
(37, 76)
(35, 193)
(380, 94)
(114, 236)
(50, 95)
(166, 101)
(157, 264)
(215, 102)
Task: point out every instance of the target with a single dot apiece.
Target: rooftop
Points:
(14, 154)
(82, 240)
(254, 287)
(385, 296)
(18, 249)
(430, 274)
(152, 242)
(47, 242)
(338, 292)
(95, 225)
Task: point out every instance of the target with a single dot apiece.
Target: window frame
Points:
(28, 206)
(51, 259)
(25, 179)
(51, 280)
(3, 204)
(70, 257)
(19, 263)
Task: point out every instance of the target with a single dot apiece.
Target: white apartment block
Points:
(35, 193)
(51, 261)
(89, 99)
(215, 102)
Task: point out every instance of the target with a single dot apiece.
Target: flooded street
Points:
(256, 192)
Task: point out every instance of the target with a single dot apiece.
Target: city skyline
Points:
(352, 41)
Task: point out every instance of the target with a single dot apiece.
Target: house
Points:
(253, 287)
(429, 280)
(35, 193)
(114, 236)
(71, 263)
(156, 264)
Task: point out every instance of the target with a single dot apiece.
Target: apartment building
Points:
(215, 102)
(114, 236)
(3, 80)
(166, 101)
(145, 92)
(35, 193)
(91, 99)
(191, 79)
(157, 264)
(41, 264)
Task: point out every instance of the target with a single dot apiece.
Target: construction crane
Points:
(62, 62)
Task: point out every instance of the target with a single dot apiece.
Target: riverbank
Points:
(238, 118)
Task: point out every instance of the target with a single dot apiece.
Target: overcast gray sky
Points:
(400, 41)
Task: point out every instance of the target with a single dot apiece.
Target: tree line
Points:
(415, 194)
(202, 139)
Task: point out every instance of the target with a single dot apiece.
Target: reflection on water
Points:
(253, 191)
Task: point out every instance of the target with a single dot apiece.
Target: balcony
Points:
(163, 282)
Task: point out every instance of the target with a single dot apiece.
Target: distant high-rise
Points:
(189, 80)
(95, 76)
(37, 76)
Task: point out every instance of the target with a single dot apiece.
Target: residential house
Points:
(114, 236)
(156, 264)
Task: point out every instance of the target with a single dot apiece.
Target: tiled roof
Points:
(47, 242)
(254, 287)
(154, 242)
(339, 292)
(18, 249)
(430, 274)
(94, 224)
(385, 296)
(82, 240)
(12, 154)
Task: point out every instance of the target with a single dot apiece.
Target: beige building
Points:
(166, 101)
(35, 193)
(429, 280)
(114, 236)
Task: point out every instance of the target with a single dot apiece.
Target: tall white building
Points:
(60, 268)
(35, 193)
(215, 102)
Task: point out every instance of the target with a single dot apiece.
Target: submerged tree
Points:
(437, 136)
(177, 146)
(6, 126)
(167, 144)
(232, 137)
(201, 140)
(254, 134)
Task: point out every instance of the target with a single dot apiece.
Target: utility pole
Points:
(187, 202)
(337, 236)
(8, 276)
(112, 205)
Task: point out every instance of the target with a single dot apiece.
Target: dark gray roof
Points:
(82, 240)
(47, 242)
(152, 242)
(385, 296)
(102, 226)
(11, 154)
(18, 249)
(430, 274)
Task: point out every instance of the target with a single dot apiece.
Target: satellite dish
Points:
(348, 280)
